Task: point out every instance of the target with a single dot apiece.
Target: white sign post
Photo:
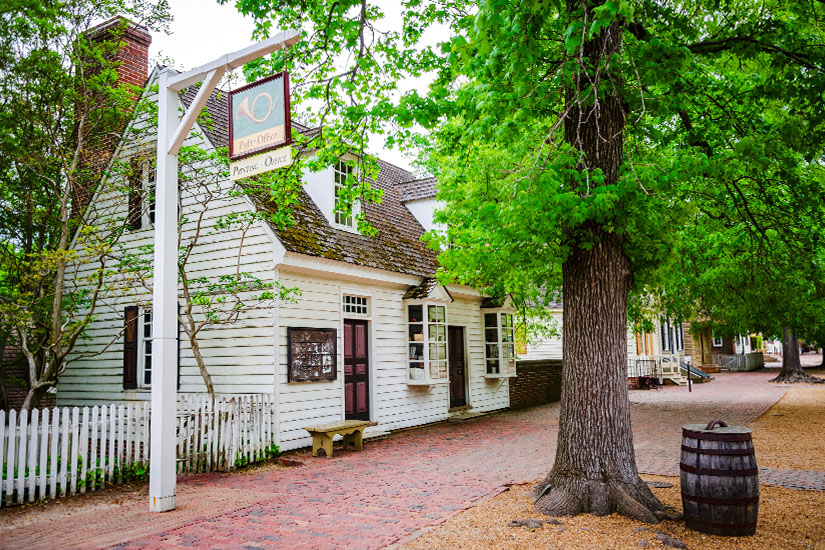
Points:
(171, 134)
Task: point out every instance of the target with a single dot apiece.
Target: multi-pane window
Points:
(356, 305)
(342, 171)
(499, 344)
(149, 170)
(717, 342)
(141, 194)
(145, 351)
(427, 341)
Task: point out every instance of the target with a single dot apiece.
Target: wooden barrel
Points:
(720, 480)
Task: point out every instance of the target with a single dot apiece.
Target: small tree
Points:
(220, 297)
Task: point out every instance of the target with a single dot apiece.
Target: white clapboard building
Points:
(371, 336)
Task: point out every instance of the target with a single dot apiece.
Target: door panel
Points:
(356, 370)
(349, 399)
(362, 395)
(457, 365)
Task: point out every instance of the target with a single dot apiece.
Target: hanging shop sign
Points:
(259, 117)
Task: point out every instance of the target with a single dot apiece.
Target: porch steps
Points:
(710, 368)
(464, 415)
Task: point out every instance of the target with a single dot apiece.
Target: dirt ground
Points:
(788, 519)
(788, 436)
(791, 435)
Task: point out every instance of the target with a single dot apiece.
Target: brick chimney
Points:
(128, 46)
(133, 55)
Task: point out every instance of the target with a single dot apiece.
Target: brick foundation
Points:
(536, 383)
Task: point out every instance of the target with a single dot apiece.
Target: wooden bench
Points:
(351, 430)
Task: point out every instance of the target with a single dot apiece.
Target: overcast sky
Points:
(203, 30)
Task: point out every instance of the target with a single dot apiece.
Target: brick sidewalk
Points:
(399, 485)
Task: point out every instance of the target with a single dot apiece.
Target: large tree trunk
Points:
(595, 469)
(791, 365)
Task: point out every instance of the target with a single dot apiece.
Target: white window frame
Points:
(340, 171)
(680, 337)
(717, 341)
(664, 333)
(144, 345)
(506, 364)
(350, 305)
(425, 378)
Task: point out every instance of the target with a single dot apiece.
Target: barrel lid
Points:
(702, 428)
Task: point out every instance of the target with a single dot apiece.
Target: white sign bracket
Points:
(171, 135)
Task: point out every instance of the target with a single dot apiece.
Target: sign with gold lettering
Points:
(259, 117)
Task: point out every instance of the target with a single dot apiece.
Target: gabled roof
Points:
(428, 288)
(397, 246)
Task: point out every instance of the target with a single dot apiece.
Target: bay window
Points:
(427, 343)
(499, 345)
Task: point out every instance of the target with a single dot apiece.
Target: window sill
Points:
(348, 228)
(427, 382)
(497, 376)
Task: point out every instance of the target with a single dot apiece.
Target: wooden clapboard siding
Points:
(239, 357)
(299, 403)
(547, 348)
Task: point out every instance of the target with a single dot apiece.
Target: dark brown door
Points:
(356, 371)
(458, 391)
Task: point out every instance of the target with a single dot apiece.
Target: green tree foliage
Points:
(60, 104)
(573, 142)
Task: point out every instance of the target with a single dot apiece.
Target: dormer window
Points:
(342, 171)
(343, 220)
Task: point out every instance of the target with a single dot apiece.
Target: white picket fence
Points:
(64, 451)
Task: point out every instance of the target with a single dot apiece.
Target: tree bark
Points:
(791, 365)
(33, 397)
(595, 467)
(196, 351)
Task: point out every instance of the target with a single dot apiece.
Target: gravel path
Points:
(788, 520)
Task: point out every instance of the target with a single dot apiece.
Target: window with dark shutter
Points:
(134, 219)
(663, 332)
(130, 347)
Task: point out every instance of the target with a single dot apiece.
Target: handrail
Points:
(693, 370)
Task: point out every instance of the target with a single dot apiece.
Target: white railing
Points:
(64, 451)
(741, 361)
